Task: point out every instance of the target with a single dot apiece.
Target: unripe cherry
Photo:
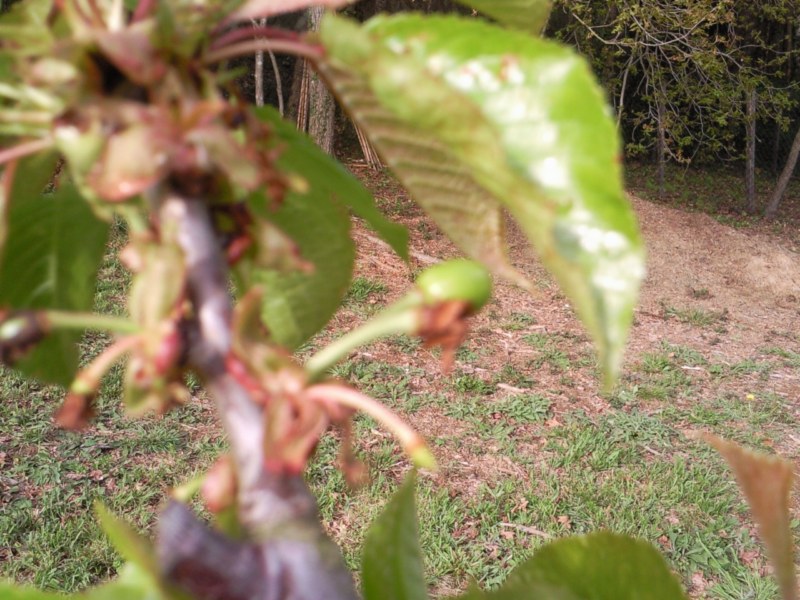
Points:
(459, 279)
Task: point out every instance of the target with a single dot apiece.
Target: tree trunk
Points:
(783, 180)
(321, 106)
(750, 167)
(776, 148)
(662, 148)
(258, 74)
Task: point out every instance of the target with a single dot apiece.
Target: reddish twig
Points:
(264, 45)
(253, 33)
(24, 149)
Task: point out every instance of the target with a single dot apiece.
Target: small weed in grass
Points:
(537, 340)
(745, 367)
(518, 321)
(790, 359)
(465, 354)
(699, 293)
(695, 316)
(525, 408)
(684, 355)
(470, 384)
(405, 344)
(511, 375)
(363, 289)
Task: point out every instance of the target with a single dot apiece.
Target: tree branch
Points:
(278, 512)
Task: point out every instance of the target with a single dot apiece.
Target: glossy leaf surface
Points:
(392, 568)
(599, 566)
(519, 118)
(528, 15)
(327, 174)
(52, 253)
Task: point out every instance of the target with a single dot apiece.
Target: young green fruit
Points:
(459, 279)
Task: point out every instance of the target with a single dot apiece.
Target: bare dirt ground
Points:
(728, 299)
(747, 280)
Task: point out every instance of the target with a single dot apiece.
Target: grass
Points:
(362, 290)
(717, 191)
(515, 460)
(697, 317)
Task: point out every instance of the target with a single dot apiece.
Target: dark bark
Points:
(321, 105)
(783, 180)
(750, 164)
(661, 148)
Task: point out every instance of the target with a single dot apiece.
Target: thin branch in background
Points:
(252, 46)
(252, 33)
(258, 71)
(278, 81)
(302, 104)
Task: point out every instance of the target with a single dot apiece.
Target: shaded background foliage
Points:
(679, 75)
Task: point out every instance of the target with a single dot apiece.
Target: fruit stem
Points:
(411, 441)
(59, 319)
(401, 317)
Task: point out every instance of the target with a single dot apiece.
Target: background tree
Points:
(687, 78)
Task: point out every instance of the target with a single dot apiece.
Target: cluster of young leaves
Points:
(685, 65)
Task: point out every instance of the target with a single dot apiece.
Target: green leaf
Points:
(131, 584)
(392, 568)
(127, 541)
(328, 174)
(141, 577)
(519, 118)
(9, 591)
(52, 253)
(28, 180)
(442, 185)
(298, 304)
(599, 566)
(528, 15)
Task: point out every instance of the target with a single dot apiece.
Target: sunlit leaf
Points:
(437, 180)
(526, 121)
(52, 253)
(528, 15)
(767, 483)
(323, 171)
(391, 568)
(599, 566)
(299, 304)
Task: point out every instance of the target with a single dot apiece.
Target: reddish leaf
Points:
(766, 482)
(132, 161)
(131, 51)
